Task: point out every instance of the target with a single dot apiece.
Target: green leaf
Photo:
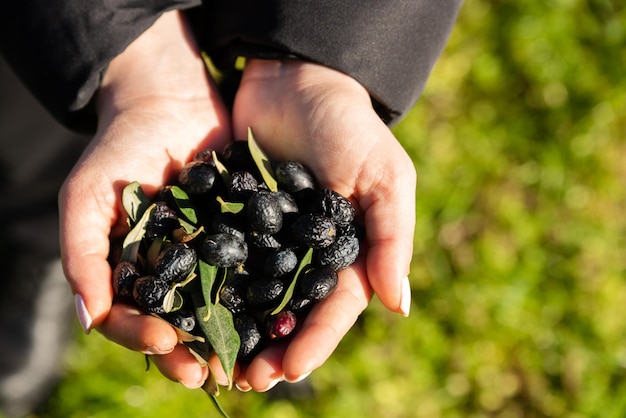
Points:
(173, 301)
(221, 168)
(153, 251)
(134, 201)
(184, 204)
(200, 349)
(221, 334)
(230, 207)
(187, 227)
(262, 162)
(131, 244)
(208, 273)
(183, 234)
(219, 286)
(218, 406)
(306, 260)
(210, 385)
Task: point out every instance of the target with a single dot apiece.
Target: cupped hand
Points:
(324, 119)
(156, 108)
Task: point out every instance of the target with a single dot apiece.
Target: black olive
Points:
(249, 335)
(340, 254)
(176, 262)
(224, 250)
(124, 275)
(162, 221)
(292, 176)
(265, 293)
(264, 213)
(149, 293)
(336, 207)
(314, 231)
(197, 177)
(318, 283)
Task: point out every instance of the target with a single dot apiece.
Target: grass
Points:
(520, 252)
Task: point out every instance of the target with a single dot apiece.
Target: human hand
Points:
(324, 119)
(156, 108)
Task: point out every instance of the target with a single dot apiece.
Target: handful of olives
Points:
(237, 252)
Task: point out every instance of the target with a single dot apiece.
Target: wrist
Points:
(302, 75)
(162, 63)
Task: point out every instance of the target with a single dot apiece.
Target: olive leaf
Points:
(131, 244)
(153, 251)
(221, 168)
(210, 385)
(208, 273)
(219, 286)
(230, 207)
(262, 162)
(200, 349)
(134, 201)
(186, 233)
(173, 301)
(220, 332)
(185, 336)
(306, 260)
(184, 204)
(217, 405)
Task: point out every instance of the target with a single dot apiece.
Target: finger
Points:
(387, 198)
(241, 382)
(181, 366)
(327, 323)
(137, 331)
(265, 370)
(221, 377)
(85, 222)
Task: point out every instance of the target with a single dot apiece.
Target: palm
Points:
(325, 120)
(171, 131)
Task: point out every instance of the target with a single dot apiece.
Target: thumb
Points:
(387, 199)
(84, 229)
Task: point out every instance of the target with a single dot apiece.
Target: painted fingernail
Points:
(298, 378)
(243, 388)
(194, 385)
(221, 380)
(405, 301)
(152, 350)
(83, 314)
(273, 383)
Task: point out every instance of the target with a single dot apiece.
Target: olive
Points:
(149, 293)
(224, 250)
(176, 262)
(264, 212)
(197, 177)
(318, 283)
(293, 176)
(314, 231)
(124, 275)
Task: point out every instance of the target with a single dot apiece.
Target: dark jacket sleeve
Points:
(60, 48)
(390, 47)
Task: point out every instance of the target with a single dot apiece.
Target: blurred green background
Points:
(519, 272)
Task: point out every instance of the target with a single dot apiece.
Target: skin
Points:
(157, 107)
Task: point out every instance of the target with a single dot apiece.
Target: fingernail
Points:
(243, 388)
(273, 383)
(155, 351)
(405, 301)
(221, 380)
(195, 385)
(299, 378)
(83, 314)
